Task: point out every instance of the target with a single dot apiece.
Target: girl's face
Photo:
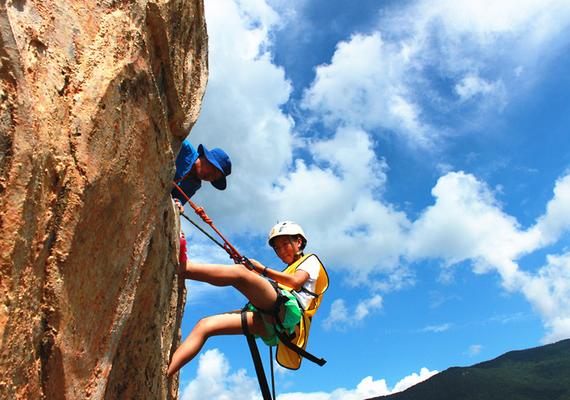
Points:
(287, 248)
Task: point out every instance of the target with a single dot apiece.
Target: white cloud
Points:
(215, 381)
(242, 114)
(508, 318)
(391, 79)
(364, 86)
(437, 328)
(340, 317)
(473, 86)
(360, 222)
(474, 350)
(365, 307)
(366, 388)
(467, 223)
(557, 217)
(486, 19)
(436, 299)
(413, 379)
(241, 111)
(199, 248)
(549, 293)
(335, 192)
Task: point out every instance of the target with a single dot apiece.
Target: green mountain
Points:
(540, 373)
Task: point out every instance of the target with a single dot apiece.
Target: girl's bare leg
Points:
(221, 324)
(257, 290)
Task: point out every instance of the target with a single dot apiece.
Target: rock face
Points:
(96, 97)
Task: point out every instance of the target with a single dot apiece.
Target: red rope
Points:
(230, 249)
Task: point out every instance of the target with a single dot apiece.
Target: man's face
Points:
(206, 171)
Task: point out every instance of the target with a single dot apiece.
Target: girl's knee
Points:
(241, 274)
(205, 326)
(189, 269)
(185, 268)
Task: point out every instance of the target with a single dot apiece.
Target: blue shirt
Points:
(187, 156)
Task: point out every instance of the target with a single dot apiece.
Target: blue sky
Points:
(424, 148)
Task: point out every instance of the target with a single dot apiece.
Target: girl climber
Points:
(293, 298)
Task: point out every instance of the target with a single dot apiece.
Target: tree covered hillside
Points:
(540, 373)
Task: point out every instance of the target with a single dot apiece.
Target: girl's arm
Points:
(294, 281)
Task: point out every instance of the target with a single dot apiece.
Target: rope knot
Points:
(202, 214)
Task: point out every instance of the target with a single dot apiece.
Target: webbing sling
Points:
(256, 358)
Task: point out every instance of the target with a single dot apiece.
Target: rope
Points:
(272, 374)
(227, 246)
(213, 239)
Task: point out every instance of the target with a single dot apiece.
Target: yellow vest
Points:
(286, 357)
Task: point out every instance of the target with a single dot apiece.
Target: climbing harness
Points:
(290, 348)
(293, 350)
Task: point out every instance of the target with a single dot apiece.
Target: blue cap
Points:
(221, 161)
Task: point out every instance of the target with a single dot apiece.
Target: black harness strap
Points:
(256, 358)
(302, 352)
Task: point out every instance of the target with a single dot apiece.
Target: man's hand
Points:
(179, 205)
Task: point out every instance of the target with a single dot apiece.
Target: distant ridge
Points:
(539, 373)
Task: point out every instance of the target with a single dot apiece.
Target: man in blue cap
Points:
(193, 167)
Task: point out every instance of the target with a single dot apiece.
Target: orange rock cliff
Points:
(96, 97)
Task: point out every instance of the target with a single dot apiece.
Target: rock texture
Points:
(96, 97)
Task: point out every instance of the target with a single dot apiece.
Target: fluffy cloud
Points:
(473, 87)
(340, 317)
(437, 328)
(413, 379)
(474, 350)
(549, 293)
(487, 20)
(336, 188)
(215, 381)
(346, 165)
(366, 388)
(467, 223)
(392, 78)
(364, 86)
(557, 217)
(242, 112)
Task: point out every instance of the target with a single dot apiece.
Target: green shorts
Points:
(291, 318)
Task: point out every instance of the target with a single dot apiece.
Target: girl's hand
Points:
(259, 267)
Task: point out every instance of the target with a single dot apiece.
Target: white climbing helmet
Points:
(286, 228)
